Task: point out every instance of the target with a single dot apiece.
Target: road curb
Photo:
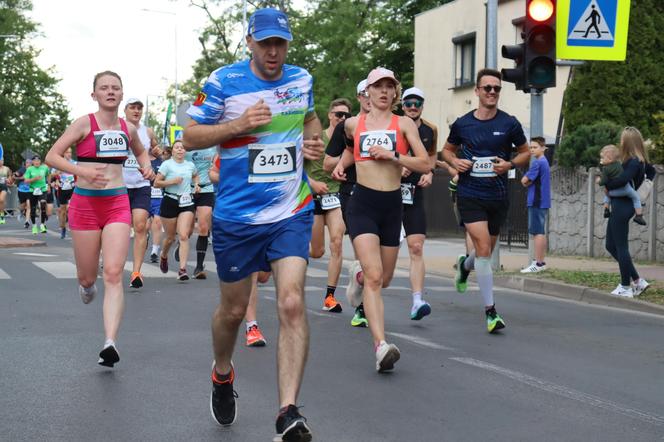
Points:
(7, 242)
(564, 291)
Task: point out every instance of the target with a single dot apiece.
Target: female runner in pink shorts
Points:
(99, 215)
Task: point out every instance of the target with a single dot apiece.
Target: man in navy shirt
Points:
(480, 146)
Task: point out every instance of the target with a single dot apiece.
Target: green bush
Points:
(581, 147)
(656, 151)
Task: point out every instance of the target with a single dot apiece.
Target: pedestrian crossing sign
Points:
(592, 29)
(176, 133)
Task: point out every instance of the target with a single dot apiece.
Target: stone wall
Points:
(575, 231)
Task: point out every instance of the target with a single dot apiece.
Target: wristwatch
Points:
(396, 156)
(512, 164)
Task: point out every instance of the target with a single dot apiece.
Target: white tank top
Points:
(132, 176)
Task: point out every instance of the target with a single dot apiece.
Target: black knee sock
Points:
(330, 291)
(201, 249)
(44, 215)
(33, 214)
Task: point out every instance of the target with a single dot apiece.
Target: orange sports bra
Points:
(389, 139)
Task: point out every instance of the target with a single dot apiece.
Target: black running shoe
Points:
(154, 258)
(222, 401)
(108, 356)
(292, 426)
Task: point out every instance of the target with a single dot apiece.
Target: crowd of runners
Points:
(258, 177)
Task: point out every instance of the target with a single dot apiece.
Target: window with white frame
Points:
(464, 59)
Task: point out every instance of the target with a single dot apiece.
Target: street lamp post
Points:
(175, 33)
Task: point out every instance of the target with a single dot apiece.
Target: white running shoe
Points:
(624, 292)
(640, 286)
(87, 294)
(354, 289)
(533, 268)
(386, 356)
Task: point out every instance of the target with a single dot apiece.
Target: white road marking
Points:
(150, 271)
(316, 273)
(566, 392)
(58, 269)
(4, 275)
(397, 287)
(40, 255)
(420, 341)
(313, 312)
(440, 289)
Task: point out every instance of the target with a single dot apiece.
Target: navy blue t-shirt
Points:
(484, 139)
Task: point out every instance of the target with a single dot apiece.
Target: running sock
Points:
(484, 275)
(155, 249)
(540, 264)
(201, 249)
(222, 378)
(417, 298)
(251, 324)
(109, 342)
(330, 290)
(469, 263)
(44, 215)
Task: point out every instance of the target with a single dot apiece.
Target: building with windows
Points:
(450, 47)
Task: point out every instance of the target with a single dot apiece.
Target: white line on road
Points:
(59, 269)
(316, 273)
(150, 271)
(441, 289)
(4, 275)
(41, 255)
(313, 312)
(565, 391)
(420, 341)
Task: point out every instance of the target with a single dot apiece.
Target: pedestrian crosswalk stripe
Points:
(4, 275)
(58, 269)
(316, 273)
(41, 255)
(150, 271)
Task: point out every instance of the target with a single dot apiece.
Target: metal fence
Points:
(11, 203)
(442, 222)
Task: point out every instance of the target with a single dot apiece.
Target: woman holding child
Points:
(635, 167)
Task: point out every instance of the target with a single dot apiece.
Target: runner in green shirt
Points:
(36, 176)
(327, 209)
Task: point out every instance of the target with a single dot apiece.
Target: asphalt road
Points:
(561, 370)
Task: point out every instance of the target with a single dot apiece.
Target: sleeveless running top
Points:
(389, 139)
(104, 146)
(133, 177)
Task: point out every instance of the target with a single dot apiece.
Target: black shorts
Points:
(36, 199)
(373, 211)
(49, 197)
(139, 198)
(204, 199)
(23, 197)
(3, 188)
(64, 196)
(344, 199)
(414, 218)
(473, 210)
(170, 208)
(318, 208)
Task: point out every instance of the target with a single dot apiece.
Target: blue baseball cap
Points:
(269, 22)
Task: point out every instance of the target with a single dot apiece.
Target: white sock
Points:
(469, 263)
(417, 298)
(155, 249)
(251, 324)
(109, 342)
(484, 275)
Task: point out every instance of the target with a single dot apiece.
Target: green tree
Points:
(581, 147)
(337, 41)
(656, 151)
(32, 112)
(629, 92)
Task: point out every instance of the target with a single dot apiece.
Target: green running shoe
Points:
(359, 320)
(35, 230)
(42, 229)
(493, 320)
(2, 220)
(461, 277)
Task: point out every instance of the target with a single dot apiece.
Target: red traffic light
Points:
(540, 10)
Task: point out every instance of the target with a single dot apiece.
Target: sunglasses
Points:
(413, 103)
(341, 114)
(488, 88)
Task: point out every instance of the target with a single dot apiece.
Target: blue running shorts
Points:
(242, 249)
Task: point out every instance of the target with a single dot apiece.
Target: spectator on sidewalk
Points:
(611, 167)
(538, 182)
(635, 168)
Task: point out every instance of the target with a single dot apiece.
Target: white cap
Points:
(412, 92)
(361, 86)
(133, 101)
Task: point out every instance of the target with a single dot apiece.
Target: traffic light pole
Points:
(536, 113)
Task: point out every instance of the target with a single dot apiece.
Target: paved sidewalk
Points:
(9, 241)
(440, 255)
